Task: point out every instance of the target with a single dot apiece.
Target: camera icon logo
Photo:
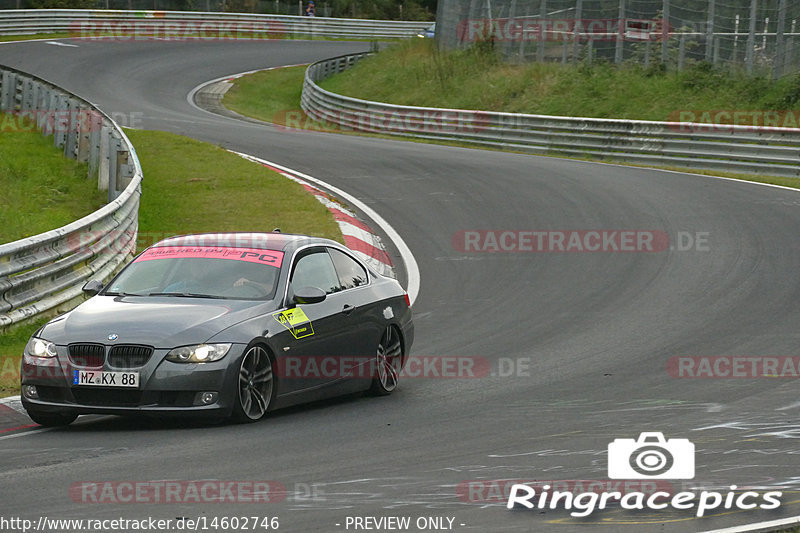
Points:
(651, 457)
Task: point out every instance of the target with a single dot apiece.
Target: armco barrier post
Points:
(103, 183)
(50, 105)
(95, 130)
(84, 127)
(111, 155)
(70, 123)
(7, 92)
(27, 95)
(17, 95)
(125, 170)
(59, 135)
(45, 99)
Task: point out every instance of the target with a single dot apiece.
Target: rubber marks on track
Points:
(358, 236)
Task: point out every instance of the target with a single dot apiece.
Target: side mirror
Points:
(309, 295)
(93, 287)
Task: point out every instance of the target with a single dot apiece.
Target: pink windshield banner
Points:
(272, 258)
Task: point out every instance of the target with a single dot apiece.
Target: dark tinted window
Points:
(316, 270)
(351, 274)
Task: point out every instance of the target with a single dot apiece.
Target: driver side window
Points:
(316, 270)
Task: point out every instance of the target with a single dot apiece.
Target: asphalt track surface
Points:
(596, 328)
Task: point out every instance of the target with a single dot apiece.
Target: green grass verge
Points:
(415, 72)
(32, 36)
(269, 95)
(191, 187)
(41, 189)
(274, 96)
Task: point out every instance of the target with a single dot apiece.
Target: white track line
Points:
(760, 526)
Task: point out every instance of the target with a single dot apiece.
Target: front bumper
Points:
(164, 387)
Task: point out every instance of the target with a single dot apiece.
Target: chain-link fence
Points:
(756, 36)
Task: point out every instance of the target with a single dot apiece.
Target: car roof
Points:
(259, 241)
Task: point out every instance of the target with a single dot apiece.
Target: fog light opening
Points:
(29, 391)
(206, 398)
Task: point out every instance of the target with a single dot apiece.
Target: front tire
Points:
(255, 387)
(52, 419)
(388, 363)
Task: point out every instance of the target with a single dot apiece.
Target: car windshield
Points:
(200, 272)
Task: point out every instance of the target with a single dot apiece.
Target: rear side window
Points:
(316, 270)
(351, 274)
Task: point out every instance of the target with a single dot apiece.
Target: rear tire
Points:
(52, 419)
(388, 363)
(255, 388)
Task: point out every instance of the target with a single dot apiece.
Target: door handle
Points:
(347, 309)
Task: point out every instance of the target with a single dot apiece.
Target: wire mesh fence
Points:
(755, 36)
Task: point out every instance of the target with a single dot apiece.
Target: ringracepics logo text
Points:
(650, 457)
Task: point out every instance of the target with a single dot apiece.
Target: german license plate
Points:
(97, 378)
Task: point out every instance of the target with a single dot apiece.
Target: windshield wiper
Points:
(184, 294)
(120, 293)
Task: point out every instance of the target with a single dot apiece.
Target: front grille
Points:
(89, 355)
(129, 356)
(107, 397)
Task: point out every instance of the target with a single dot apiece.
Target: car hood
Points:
(158, 321)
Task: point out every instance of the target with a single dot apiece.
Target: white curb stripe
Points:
(14, 402)
(760, 526)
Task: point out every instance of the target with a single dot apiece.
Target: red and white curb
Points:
(358, 236)
(12, 402)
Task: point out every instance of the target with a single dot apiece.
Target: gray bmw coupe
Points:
(221, 325)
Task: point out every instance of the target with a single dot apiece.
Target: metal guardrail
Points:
(46, 271)
(727, 148)
(186, 25)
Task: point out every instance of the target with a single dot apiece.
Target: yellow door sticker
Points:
(296, 321)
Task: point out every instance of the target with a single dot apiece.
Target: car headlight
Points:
(199, 353)
(40, 348)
